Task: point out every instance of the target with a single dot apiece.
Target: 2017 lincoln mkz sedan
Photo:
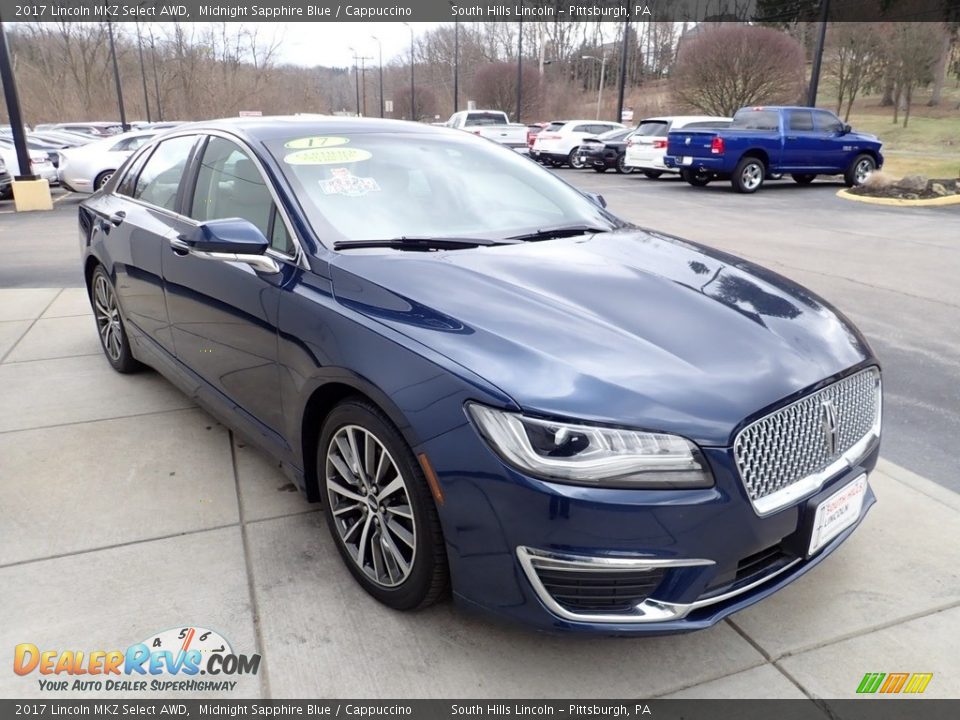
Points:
(494, 385)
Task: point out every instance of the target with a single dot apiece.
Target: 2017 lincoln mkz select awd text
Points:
(493, 384)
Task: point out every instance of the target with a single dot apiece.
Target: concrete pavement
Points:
(125, 511)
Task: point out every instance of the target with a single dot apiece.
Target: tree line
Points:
(184, 71)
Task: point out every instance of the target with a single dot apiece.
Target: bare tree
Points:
(913, 51)
(729, 66)
(856, 60)
(495, 87)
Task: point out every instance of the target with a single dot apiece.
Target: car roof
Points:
(282, 126)
(683, 118)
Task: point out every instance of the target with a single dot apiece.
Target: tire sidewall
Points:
(850, 177)
(737, 179)
(414, 591)
(573, 159)
(126, 363)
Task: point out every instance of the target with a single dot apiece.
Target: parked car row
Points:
(757, 144)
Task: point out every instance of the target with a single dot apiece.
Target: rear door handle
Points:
(117, 218)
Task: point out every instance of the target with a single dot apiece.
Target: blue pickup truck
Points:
(763, 141)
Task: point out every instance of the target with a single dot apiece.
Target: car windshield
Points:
(371, 186)
(614, 135)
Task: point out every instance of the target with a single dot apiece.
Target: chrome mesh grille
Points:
(791, 444)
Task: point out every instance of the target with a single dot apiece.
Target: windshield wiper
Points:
(559, 232)
(420, 243)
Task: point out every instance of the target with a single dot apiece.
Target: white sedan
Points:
(88, 167)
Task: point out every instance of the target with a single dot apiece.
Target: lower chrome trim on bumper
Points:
(648, 611)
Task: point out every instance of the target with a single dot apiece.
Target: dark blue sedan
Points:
(494, 385)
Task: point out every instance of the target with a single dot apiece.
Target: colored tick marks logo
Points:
(894, 683)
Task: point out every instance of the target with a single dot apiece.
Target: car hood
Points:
(631, 327)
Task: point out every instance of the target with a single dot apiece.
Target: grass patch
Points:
(922, 135)
(933, 166)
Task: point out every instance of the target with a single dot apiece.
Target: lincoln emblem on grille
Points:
(829, 413)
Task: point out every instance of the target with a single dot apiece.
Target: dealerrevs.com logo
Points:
(169, 661)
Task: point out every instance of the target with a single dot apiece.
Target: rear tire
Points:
(102, 179)
(653, 174)
(749, 175)
(404, 561)
(621, 165)
(573, 159)
(859, 170)
(697, 179)
(804, 179)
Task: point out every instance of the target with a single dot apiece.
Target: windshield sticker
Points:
(315, 142)
(326, 156)
(344, 182)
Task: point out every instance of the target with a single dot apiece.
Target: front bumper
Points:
(700, 541)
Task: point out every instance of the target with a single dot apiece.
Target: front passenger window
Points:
(229, 185)
(160, 178)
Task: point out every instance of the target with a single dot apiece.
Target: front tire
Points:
(804, 179)
(379, 509)
(600, 168)
(621, 166)
(113, 334)
(652, 174)
(859, 170)
(749, 175)
(573, 159)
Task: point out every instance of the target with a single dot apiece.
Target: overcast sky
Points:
(327, 43)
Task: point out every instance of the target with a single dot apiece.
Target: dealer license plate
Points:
(686, 160)
(837, 513)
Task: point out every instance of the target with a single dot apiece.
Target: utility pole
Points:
(456, 65)
(143, 73)
(413, 105)
(818, 54)
(380, 44)
(116, 77)
(356, 77)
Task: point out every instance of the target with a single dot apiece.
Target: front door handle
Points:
(117, 218)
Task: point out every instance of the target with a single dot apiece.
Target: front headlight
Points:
(591, 455)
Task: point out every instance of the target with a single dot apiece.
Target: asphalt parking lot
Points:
(126, 511)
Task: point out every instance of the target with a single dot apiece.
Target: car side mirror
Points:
(846, 129)
(597, 199)
(230, 239)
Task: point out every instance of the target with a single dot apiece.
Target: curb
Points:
(930, 202)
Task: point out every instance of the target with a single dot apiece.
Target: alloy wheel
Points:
(108, 317)
(370, 504)
(863, 170)
(751, 176)
(104, 179)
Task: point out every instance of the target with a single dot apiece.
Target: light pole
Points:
(624, 47)
(143, 73)
(116, 77)
(603, 72)
(456, 61)
(413, 106)
(519, 71)
(156, 77)
(380, 45)
(818, 54)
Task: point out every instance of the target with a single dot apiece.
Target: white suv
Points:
(558, 143)
(648, 144)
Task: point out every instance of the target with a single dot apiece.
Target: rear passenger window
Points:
(583, 129)
(159, 180)
(801, 120)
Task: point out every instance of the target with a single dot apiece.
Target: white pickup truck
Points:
(493, 125)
